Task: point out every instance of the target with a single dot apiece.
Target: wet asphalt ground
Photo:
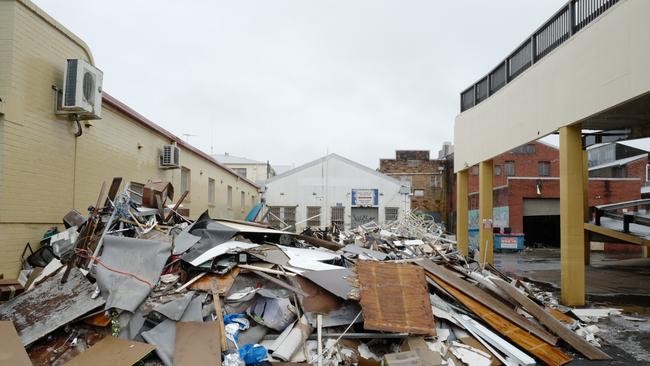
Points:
(612, 281)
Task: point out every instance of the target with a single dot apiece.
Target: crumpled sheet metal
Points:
(174, 309)
(143, 258)
(50, 305)
(211, 233)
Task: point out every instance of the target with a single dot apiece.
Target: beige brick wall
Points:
(45, 171)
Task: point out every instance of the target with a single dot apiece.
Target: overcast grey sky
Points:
(288, 80)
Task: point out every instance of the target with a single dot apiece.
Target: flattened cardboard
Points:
(12, 351)
(197, 343)
(112, 352)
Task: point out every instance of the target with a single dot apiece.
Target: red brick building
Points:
(426, 177)
(526, 190)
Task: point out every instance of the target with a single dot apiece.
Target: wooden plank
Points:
(551, 323)
(219, 315)
(484, 298)
(560, 316)
(112, 352)
(12, 351)
(395, 298)
(176, 206)
(551, 355)
(112, 191)
(629, 238)
(197, 343)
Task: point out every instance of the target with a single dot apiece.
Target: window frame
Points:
(506, 171)
(544, 167)
(212, 191)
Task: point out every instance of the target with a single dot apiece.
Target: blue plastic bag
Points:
(252, 353)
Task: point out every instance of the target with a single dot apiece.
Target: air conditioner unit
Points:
(82, 90)
(170, 157)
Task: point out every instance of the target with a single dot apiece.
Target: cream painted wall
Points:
(602, 66)
(45, 171)
(254, 172)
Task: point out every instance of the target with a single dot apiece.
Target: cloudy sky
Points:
(289, 80)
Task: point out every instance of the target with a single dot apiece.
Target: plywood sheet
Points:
(395, 298)
(12, 351)
(197, 343)
(112, 352)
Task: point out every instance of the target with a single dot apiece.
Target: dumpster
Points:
(509, 242)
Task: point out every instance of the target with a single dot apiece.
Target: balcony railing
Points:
(571, 18)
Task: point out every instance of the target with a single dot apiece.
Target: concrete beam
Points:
(585, 203)
(462, 211)
(602, 67)
(572, 237)
(485, 204)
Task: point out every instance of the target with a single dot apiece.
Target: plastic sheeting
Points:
(131, 257)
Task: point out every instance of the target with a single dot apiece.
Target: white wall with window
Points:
(326, 186)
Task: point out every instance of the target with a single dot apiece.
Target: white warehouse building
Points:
(335, 190)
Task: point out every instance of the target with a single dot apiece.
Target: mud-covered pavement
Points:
(612, 281)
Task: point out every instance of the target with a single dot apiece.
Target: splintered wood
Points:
(395, 298)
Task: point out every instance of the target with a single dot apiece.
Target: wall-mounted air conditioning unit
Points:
(170, 157)
(82, 90)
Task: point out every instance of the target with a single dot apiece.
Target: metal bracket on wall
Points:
(2, 106)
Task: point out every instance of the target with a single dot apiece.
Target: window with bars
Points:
(289, 217)
(275, 217)
(282, 216)
(497, 170)
(311, 212)
(229, 198)
(338, 217)
(544, 168)
(391, 213)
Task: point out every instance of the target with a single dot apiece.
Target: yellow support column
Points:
(585, 203)
(572, 237)
(485, 220)
(462, 216)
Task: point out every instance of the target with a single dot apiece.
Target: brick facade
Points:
(601, 191)
(526, 182)
(426, 177)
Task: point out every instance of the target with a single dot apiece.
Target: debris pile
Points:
(136, 281)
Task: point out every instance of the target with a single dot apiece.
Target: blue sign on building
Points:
(365, 197)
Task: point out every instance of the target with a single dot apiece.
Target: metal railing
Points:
(571, 18)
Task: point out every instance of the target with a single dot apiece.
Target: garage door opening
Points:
(542, 222)
(542, 231)
(364, 215)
